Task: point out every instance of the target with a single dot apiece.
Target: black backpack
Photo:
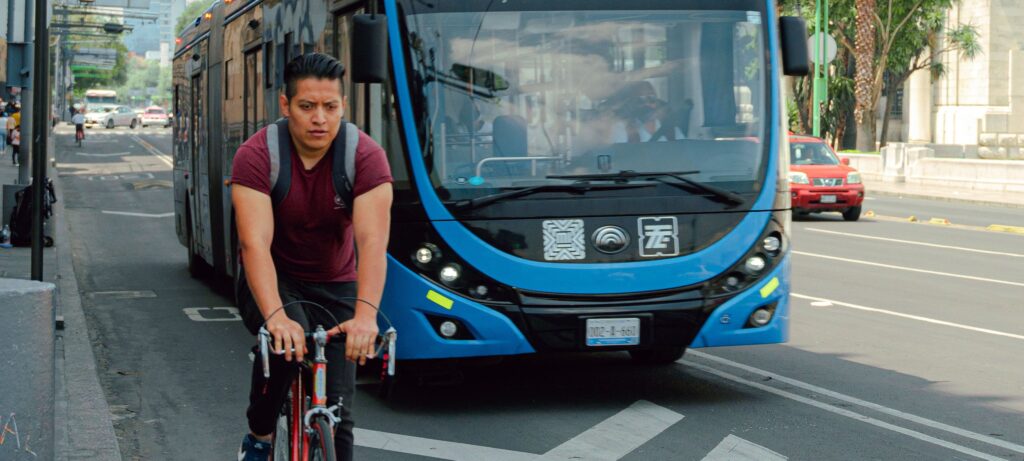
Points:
(21, 216)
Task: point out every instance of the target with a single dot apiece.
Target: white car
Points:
(112, 116)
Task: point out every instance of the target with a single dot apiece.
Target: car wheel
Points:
(132, 126)
(110, 123)
(852, 213)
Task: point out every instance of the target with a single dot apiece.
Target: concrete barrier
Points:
(26, 369)
(988, 175)
(869, 165)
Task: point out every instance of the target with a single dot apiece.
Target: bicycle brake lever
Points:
(264, 351)
(392, 337)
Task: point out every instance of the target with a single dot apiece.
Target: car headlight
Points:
(797, 177)
(853, 177)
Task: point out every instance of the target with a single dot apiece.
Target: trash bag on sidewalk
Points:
(21, 215)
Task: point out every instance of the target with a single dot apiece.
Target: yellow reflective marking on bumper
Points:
(440, 299)
(769, 287)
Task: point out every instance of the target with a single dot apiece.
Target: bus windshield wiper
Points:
(717, 193)
(574, 188)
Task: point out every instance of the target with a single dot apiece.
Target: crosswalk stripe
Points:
(733, 448)
(617, 436)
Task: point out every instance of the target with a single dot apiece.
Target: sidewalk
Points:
(83, 429)
(980, 197)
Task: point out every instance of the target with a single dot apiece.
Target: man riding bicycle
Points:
(79, 120)
(299, 245)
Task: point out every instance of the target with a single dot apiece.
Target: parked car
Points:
(821, 181)
(155, 115)
(112, 116)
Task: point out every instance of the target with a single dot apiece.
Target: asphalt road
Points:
(906, 343)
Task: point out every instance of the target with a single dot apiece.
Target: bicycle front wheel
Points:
(321, 441)
(282, 450)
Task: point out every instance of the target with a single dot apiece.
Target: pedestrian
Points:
(15, 144)
(304, 248)
(4, 132)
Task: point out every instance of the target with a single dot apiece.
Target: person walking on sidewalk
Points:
(4, 132)
(15, 144)
(300, 245)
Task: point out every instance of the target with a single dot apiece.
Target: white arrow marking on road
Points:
(845, 398)
(196, 314)
(828, 302)
(114, 154)
(610, 440)
(140, 215)
(617, 436)
(733, 448)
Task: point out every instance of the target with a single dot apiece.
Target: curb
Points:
(891, 193)
(83, 428)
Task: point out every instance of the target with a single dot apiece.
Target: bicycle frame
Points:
(305, 407)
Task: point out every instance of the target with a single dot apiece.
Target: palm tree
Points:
(864, 77)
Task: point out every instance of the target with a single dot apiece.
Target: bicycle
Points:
(305, 421)
(79, 136)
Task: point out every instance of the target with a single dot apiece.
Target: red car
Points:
(820, 181)
(155, 115)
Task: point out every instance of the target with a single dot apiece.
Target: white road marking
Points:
(910, 269)
(618, 435)
(152, 150)
(434, 448)
(862, 403)
(195, 314)
(610, 440)
(911, 242)
(829, 302)
(840, 411)
(733, 448)
(114, 154)
(140, 215)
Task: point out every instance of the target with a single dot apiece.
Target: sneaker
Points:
(253, 450)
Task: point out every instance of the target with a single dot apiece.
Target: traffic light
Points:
(113, 28)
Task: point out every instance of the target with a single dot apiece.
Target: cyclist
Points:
(303, 247)
(79, 120)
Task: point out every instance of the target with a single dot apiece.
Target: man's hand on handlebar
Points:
(361, 337)
(288, 336)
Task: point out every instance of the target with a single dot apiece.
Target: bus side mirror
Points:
(796, 60)
(369, 48)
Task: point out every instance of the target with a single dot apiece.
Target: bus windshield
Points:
(507, 99)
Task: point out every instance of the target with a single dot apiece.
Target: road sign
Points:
(829, 43)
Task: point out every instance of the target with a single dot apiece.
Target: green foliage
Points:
(192, 11)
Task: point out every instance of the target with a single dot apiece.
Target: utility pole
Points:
(41, 130)
(820, 90)
(28, 107)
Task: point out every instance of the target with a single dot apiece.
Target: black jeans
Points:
(267, 395)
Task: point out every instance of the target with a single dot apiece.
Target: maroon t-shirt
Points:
(313, 238)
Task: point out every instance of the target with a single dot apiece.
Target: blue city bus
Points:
(580, 175)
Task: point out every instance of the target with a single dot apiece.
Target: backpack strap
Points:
(279, 148)
(343, 165)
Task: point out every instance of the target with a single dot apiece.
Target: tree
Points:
(192, 11)
(864, 81)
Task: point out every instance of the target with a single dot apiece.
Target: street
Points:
(906, 343)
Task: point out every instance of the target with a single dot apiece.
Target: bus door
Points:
(200, 169)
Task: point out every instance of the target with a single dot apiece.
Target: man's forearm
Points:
(370, 278)
(261, 275)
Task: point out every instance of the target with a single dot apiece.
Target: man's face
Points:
(314, 113)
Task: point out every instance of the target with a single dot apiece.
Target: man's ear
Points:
(283, 100)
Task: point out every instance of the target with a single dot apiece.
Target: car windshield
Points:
(508, 98)
(811, 153)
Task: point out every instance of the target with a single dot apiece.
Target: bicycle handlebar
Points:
(323, 337)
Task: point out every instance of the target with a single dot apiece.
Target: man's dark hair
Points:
(311, 65)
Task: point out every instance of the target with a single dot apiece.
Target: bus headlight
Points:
(450, 273)
(767, 252)
(754, 264)
(426, 253)
(771, 243)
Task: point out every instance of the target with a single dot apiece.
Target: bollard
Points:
(26, 369)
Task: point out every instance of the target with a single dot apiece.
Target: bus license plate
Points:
(828, 199)
(613, 332)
